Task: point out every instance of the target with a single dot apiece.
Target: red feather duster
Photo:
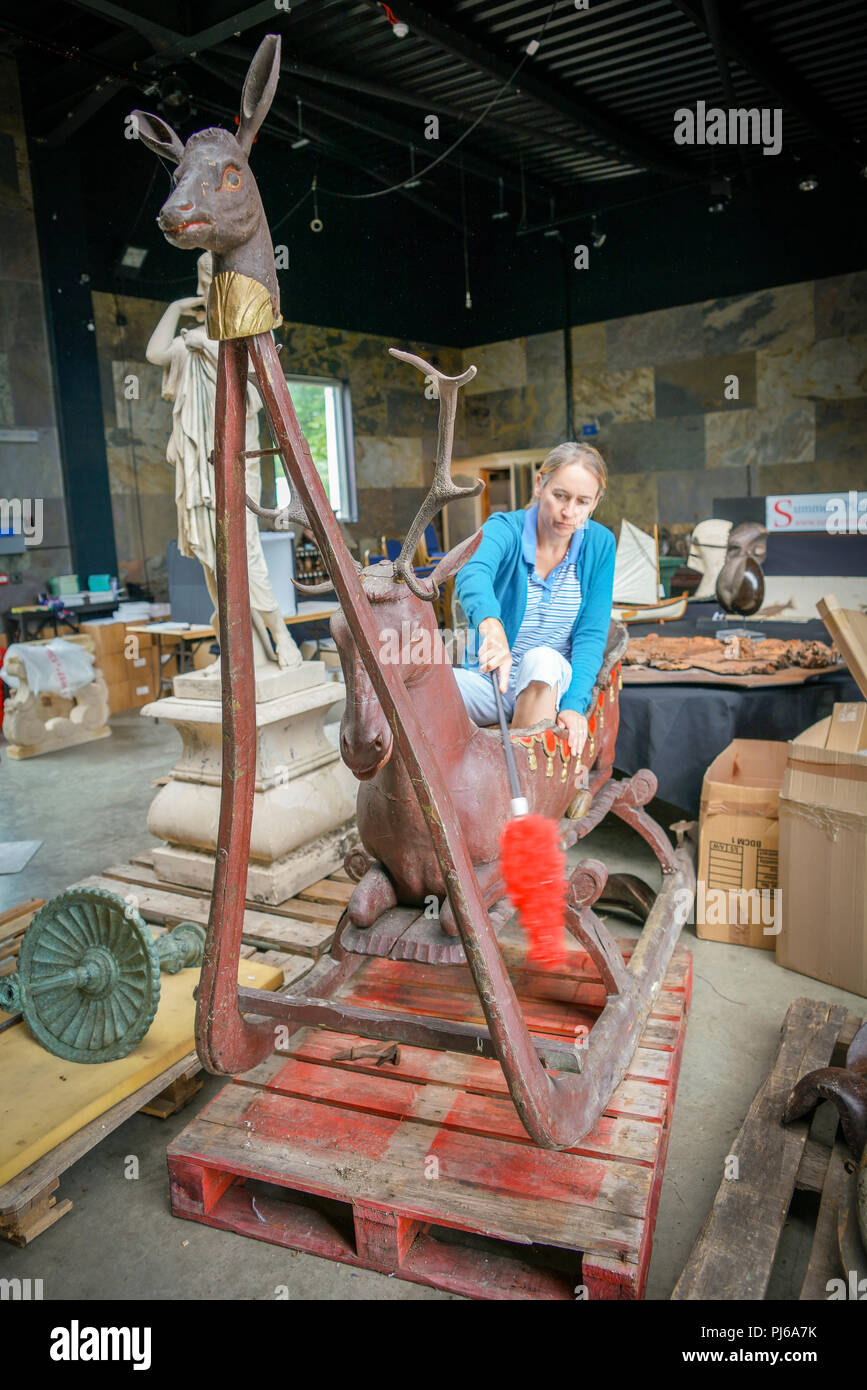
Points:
(534, 872)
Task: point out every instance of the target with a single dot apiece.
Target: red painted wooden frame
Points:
(556, 1109)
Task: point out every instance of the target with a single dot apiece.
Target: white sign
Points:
(834, 512)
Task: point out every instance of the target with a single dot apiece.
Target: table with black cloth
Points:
(678, 730)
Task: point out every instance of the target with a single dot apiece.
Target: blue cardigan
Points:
(493, 584)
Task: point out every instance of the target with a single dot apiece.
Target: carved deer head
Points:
(401, 602)
(410, 639)
(215, 204)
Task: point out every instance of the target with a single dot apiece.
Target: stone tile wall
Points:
(653, 386)
(394, 426)
(30, 467)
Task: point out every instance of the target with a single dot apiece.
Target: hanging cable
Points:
(383, 192)
(468, 298)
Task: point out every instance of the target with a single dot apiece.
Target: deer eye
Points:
(231, 180)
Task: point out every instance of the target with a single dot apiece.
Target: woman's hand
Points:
(494, 654)
(576, 726)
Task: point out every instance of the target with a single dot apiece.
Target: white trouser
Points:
(538, 664)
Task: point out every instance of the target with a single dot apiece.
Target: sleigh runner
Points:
(433, 788)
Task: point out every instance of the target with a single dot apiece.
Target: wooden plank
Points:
(734, 1253)
(328, 891)
(824, 1262)
(813, 1167)
(145, 876)
(379, 1092)
(548, 1017)
(22, 1189)
(641, 1095)
(10, 918)
(260, 928)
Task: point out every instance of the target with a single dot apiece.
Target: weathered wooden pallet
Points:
(307, 937)
(733, 1256)
(28, 1205)
(419, 1166)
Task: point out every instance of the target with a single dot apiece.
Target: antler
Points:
(442, 489)
(281, 516)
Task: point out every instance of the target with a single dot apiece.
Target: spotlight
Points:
(398, 27)
(808, 184)
(597, 238)
(300, 139)
(130, 262)
(720, 195)
(174, 98)
(413, 181)
(501, 212)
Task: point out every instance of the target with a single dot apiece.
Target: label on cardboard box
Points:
(848, 731)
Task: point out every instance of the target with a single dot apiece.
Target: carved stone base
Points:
(304, 794)
(266, 883)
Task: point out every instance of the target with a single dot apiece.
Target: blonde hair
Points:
(570, 452)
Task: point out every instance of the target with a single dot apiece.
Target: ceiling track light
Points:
(551, 231)
(720, 195)
(597, 238)
(502, 212)
(300, 139)
(413, 181)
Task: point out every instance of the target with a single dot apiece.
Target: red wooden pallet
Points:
(421, 1168)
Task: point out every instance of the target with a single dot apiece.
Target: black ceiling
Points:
(582, 125)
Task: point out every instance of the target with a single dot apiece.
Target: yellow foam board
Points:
(44, 1099)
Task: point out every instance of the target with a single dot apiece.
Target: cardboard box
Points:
(143, 640)
(119, 697)
(823, 857)
(143, 689)
(113, 668)
(823, 829)
(107, 636)
(848, 731)
(737, 897)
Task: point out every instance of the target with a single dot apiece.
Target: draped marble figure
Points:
(189, 362)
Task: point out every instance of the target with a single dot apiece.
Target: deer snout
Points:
(364, 757)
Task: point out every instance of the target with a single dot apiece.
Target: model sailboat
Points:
(637, 590)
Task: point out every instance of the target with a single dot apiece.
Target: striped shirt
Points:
(552, 603)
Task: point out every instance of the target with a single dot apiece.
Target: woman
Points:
(189, 362)
(539, 591)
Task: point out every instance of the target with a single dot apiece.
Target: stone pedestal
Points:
(304, 804)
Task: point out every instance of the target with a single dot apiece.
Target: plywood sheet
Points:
(44, 1099)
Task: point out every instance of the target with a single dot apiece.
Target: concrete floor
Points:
(89, 806)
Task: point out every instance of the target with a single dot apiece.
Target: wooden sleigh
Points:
(559, 1091)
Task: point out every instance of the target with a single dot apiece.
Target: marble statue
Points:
(189, 362)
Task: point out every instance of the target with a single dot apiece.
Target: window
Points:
(325, 415)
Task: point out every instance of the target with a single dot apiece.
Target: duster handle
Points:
(520, 805)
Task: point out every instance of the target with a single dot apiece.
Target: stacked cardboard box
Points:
(128, 661)
(823, 830)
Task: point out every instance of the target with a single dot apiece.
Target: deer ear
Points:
(259, 88)
(457, 556)
(158, 136)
